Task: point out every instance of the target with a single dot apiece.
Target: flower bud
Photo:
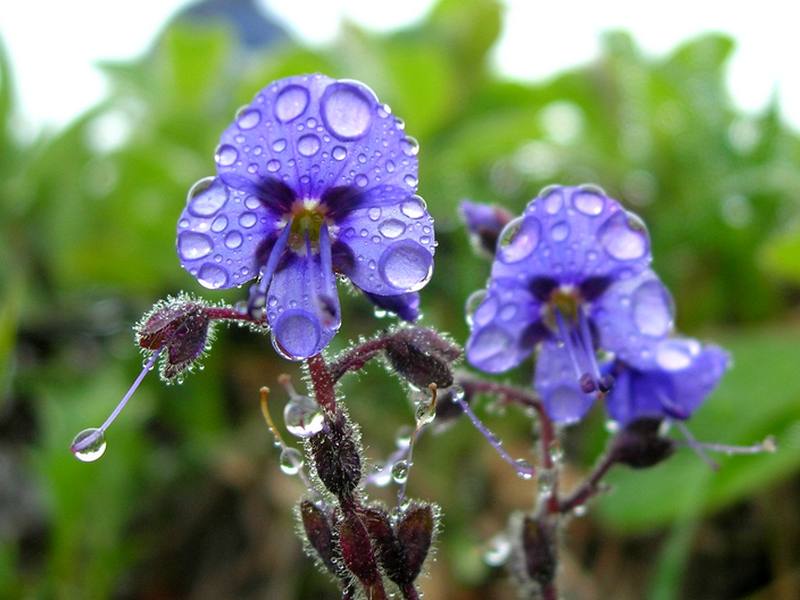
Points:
(179, 325)
(320, 537)
(484, 222)
(539, 549)
(415, 534)
(390, 554)
(640, 446)
(422, 356)
(357, 552)
(336, 455)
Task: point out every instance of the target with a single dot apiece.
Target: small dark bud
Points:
(422, 356)
(640, 445)
(320, 537)
(539, 549)
(356, 549)
(484, 222)
(390, 554)
(415, 534)
(181, 327)
(336, 456)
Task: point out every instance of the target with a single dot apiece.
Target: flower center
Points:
(567, 317)
(305, 220)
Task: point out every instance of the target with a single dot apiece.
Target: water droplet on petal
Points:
(206, 197)
(406, 265)
(212, 276)
(410, 181)
(624, 236)
(303, 416)
(392, 228)
(474, 300)
(233, 240)
(490, 343)
(400, 471)
(361, 180)
(226, 155)
(273, 165)
(346, 110)
(219, 224)
(291, 103)
(524, 469)
(553, 199)
(518, 239)
(339, 153)
(291, 461)
(414, 207)
(296, 334)
(247, 117)
(403, 437)
(308, 145)
(247, 219)
(193, 245)
(374, 213)
(589, 200)
(279, 145)
(560, 231)
(676, 354)
(508, 312)
(652, 309)
(409, 146)
(95, 448)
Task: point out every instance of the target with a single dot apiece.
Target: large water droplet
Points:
(346, 110)
(206, 197)
(406, 265)
(303, 416)
(624, 236)
(414, 207)
(425, 413)
(553, 199)
(490, 343)
(518, 239)
(193, 245)
(291, 461)
(89, 445)
(308, 145)
(590, 200)
(247, 117)
(226, 155)
(392, 228)
(474, 300)
(233, 240)
(212, 276)
(400, 471)
(652, 309)
(296, 334)
(291, 103)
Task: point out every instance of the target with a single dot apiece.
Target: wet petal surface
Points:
(557, 383)
(219, 234)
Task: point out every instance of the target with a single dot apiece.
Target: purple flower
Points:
(314, 177)
(569, 276)
(680, 374)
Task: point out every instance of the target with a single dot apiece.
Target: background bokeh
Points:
(189, 500)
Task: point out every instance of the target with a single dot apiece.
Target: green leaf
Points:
(781, 255)
(759, 397)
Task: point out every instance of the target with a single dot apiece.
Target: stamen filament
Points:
(91, 439)
(698, 448)
(566, 337)
(588, 346)
(524, 470)
(274, 256)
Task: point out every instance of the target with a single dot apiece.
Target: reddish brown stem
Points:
(590, 486)
(409, 592)
(323, 383)
(355, 358)
(226, 313)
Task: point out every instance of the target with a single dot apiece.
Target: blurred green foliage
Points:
(87, 244)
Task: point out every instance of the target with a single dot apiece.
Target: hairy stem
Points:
(589, 486)
(323, 383)
(356, 357)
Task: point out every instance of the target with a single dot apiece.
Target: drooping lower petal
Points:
(505, 328)
(683, 374)
(405, 306)
(631, 315)
(302, 306)
(220, 232)
(556, 382)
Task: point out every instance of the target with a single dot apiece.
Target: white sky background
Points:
(54, 44)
